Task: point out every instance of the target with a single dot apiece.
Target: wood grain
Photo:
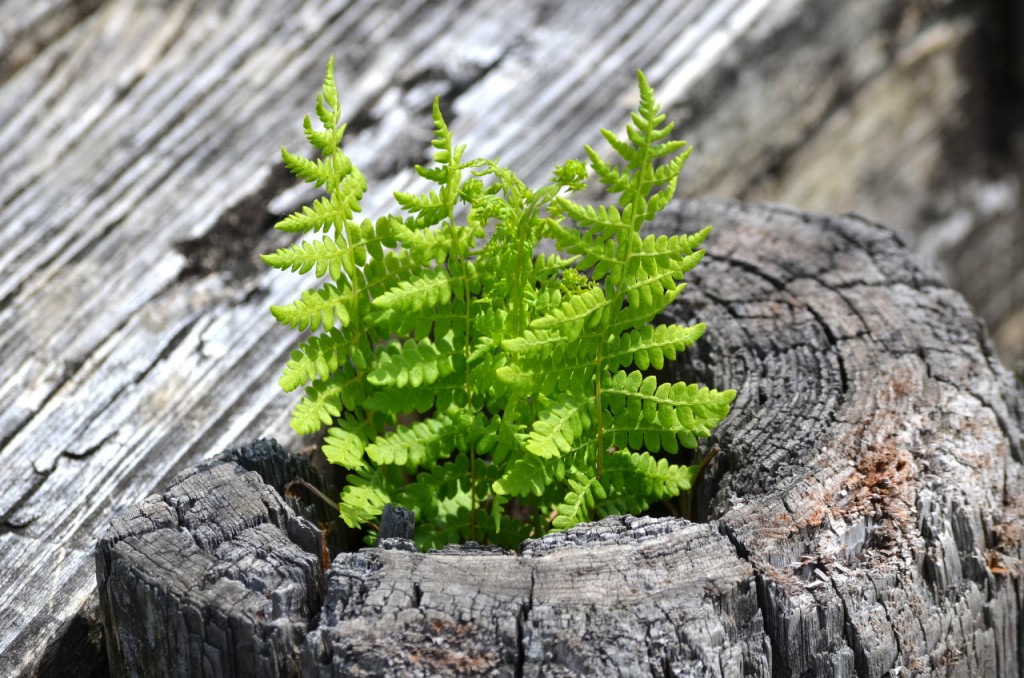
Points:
(141, 156)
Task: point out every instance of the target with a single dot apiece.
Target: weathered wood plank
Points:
(133, 336)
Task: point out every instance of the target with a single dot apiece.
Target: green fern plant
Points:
(497, 392)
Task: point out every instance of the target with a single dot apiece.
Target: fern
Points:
(523, 373)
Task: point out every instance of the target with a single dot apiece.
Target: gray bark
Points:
(140, 156)
(864, 514)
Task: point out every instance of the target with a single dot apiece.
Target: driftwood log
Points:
(140, 178)
(862, 519)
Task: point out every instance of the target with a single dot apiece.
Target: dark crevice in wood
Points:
(8, 527)
(12, 293)
(995, 56)
(231, 247)
(278, 469)
(6, 523)
(90, 449)
(835, 352)
(449, 81)
(79, 651)
(173, 343)
(522, 618)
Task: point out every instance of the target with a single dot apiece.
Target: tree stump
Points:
(863, 517)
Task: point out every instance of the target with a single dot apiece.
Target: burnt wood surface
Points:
(140, 177)
(863, 515)
(218, 572)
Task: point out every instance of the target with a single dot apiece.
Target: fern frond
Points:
(432, 288)
(637, 315)
(644, 292)
(614, 179)
(651, 415)
(559, 427)
(429, 209)
(534, 341)
(649, 346)
(578, 504)
(323, 256)
(668, 176)
(633, 481)
(429, 244)
(573, 314)
(328, 108)
(363, 499)
(345, 443)
(324, 140)
(641, 148)
(421, 444)
(642, 475)
(316, 172)
(548, 266)
(331, 211)
(546, 300)
(601, 255)
(602, 222)
(445, 152)
(663, 274)
(525, 476)
(317, 308)
(385, 272)
(677, 254)
(328, 171)
(325, 400)
(414, 363)
(425, 323)
(442, 500)
(564, 370)
(442, 491)
(517, 361)
(317, 358)
(402, 400)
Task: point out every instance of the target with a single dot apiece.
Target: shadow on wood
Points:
(864, 515)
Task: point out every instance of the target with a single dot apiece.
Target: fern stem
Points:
(460, 264)
(517, 284)
(598, 372)
(636, 190)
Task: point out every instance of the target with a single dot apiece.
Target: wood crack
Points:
(522, 618)
(231, 246)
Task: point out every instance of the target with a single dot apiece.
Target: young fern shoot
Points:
(523, 372)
